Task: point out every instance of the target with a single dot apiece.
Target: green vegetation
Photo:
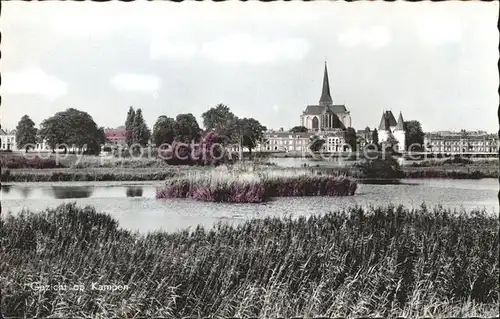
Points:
(414, 135)
(383, 262)
(245, 185)
(99, 174)
(73, 128)
(140, 131)
(26, 133)
(379, 168)
(247, 131)
(316, 143)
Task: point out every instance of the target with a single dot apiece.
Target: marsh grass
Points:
(254, 184)
(380, 262)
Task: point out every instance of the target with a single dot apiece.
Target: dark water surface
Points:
(134, 205)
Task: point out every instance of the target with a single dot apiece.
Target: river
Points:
(134, 205)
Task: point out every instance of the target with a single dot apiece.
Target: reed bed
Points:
(246, 184)
(384, 262)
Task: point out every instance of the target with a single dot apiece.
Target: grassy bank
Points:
(387, 262)
(246, 185)
(97, 174)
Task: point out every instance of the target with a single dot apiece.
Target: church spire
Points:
(326, 98)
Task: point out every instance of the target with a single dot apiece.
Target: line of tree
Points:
(184, 128)
(249, 132)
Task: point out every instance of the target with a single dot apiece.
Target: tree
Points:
(390, 143)
(164, 130)
(25, 133)
(350, 138)
(414, 134)
(218, 118)
(94, 146)
(298, 129)
(315, 143)
(250, 132)
(129, 122)
(140, 131)
(71, 127)
(375, 137)
(187, 128)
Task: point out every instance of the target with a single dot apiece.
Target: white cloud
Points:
(439, 29)
(163, 47)
(375, 36)
(33, 81)
(242, 47)
(136, 82)
(276, 108)
(378, 36)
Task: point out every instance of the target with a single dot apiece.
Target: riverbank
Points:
(162, 173)
(385, 261)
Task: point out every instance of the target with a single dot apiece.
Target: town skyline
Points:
(270, 70)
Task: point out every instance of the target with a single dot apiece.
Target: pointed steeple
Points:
(400, 126)
(326, 98)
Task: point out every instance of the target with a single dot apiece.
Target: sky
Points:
(434, 62)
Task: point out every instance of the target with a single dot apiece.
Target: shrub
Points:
(380, 168)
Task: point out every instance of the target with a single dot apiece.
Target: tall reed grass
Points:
(380, 262)
(242, 184)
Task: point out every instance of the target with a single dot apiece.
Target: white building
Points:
(8, 140)
(461, 142)
(389, 125)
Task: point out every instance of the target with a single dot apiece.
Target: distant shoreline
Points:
(131, 174)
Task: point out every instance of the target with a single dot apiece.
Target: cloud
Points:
(375, 37)
(136, 82)
(163, 47)
(245, 48)
(33, 81)
(439, 29)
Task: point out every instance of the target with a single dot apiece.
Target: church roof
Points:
(318, 109)
(326, 98)
(387, 121)
(400, 125)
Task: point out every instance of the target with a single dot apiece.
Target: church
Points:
(326, 116)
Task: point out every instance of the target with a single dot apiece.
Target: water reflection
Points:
(25, 191)
(134, 191)
(6, 188)
(63, 192)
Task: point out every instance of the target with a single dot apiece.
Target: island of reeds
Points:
(384, 262)
(247, 185)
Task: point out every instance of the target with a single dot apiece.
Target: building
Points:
(8, 140)
(389, 126)
(116, 136)
(365, 136)
(461, 142)
(325, 116)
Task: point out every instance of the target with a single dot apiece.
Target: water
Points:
(135, 207)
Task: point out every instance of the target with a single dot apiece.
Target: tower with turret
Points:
(388, 125)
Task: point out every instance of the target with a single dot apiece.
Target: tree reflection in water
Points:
(62, 192)
(6, 188)
(25, 191)
(134, 191)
